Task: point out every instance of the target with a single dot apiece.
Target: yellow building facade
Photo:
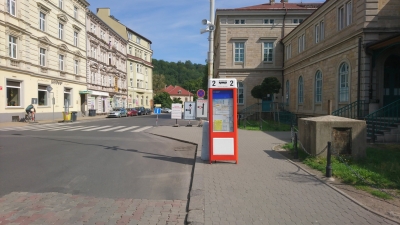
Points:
(42, 57)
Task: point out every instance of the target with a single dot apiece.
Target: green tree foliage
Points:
(270, 85)
(177, 100)
(158, 83)
(164, 99)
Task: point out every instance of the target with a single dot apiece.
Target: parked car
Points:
(166, 110)
(148, 111)
(140, 110)
(117, 112)
(132, 112)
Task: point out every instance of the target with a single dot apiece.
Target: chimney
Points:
(271, 2)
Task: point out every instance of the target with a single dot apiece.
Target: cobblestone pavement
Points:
(20, 208)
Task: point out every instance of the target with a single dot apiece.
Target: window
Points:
(12, 46)
(287, 92)
(269, 21)
(317, 30)
(344, 82)
(341, 18)
(13, 93)
(130, 50)
(301, 43)
(67, 97)
(75, 12)
(239, 51)
(268, 51)
(138, 40)
(348, 13)
(145, 71)
(61, 62)
(129, 36)
(240, 21)
(60, 4)
(76, 66)
(345, 15)
(109, 59)
(42, 95)
(75, 38)
(137, 68)
(297, 21)
(145, 56)
(240, 93)
(60, 30)
(42, 56)
(137, 83)
(131, 66)
(300, 91)
(141, 100)
(42, 21)
(288, 51)
(321, 30)
(131, 82)
(147, 100)
(11, 7)
(318, 87)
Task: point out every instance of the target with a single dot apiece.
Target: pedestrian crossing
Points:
(79, 128)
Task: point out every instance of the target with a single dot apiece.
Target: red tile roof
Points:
(174, 91)
(278, 6)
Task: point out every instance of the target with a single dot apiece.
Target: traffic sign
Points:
(157, 110)
(201, 93)
(49, 88)
(189, 109)
(201, 108)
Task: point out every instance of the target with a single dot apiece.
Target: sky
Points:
(172, 26)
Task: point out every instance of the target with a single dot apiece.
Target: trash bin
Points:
(67, 116)
(92, 112)
(74, 116)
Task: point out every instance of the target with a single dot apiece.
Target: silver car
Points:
(118, 112)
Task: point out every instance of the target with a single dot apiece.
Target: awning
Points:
(100, 93)
(85, 92)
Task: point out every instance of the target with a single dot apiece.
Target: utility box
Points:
(348, 136)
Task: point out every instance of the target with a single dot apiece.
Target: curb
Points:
(338, 190)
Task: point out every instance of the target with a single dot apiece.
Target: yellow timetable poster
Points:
(217, 125)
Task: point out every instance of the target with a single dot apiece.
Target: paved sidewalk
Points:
(264, 187)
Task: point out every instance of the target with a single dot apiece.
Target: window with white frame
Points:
(42, 95)
(11, 7)
(345, 15)
(287, 90)
(138, 40)
(297, 21)
(288, 51)
(316, 33)
(321, 30)
(76, 66)
(75, 12)
(13, 93)
(349, 13)
(300, 91)
(109, 81)
(318, 87)
(42, 21)
(239, 51)
(76, 39)
(12, 46)
(60, 30)
(145, 56)
(129, 36)
(67, 97)
(341, 17)
(147, 100)
(42, 56)
(130, 50)
(269, 21)
(301, 43)
(241, 21)
(344, 82)
(131, 65)
(137, 83)
(61, 62)
(60, 4)
(109, 58)
(268, 51)
(131, 82)
(240, 93)
(137, 68)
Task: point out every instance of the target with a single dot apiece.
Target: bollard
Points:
(328, 161)
(296, 150)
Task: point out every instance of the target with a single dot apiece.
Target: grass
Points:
(381, 168)
(266, 125)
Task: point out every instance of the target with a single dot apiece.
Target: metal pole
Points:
(328, 161)
(211, 44)
(157, 121)
(53, 105)
(296, 150)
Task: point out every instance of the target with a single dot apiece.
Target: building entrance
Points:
(391, 91)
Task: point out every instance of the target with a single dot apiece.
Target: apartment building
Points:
(248, 45)
(139, 66)
(42, 57)
(106, 66)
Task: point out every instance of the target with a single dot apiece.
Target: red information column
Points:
(223, 120)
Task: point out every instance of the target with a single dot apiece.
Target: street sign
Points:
(189, 111)
(201, 93)
(49, 88)
(201, 108)
(157, 110)
(176, 111)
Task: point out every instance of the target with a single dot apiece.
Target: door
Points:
(391, 91)
(83, 103)
(267, 103)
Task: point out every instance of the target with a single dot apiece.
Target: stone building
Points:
(42, 45)
(139, 58)
(106, 66)
(248, 45)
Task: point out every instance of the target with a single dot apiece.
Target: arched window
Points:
(318, 87)
(300, 91)
(240, 93)
(344, 82)
(287, 95)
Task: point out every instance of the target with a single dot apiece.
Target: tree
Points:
(158, 83)
(164, 99)
(269, 86)
(176, 100)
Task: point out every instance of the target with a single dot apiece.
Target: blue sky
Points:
(172, 26)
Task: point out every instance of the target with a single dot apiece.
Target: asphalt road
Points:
(112, 158)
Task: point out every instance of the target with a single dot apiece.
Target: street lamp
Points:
(210, 28)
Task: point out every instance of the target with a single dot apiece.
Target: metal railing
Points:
(354, 110)
(382, 120)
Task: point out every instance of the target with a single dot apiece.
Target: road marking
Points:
(142, 129)
(80, 128)
(59, 128)
(128, 128)
(112, 128)
(95, 128)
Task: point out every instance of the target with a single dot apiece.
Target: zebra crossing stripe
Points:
(80, 128)
(112, 128)
(142, 129)
(95, 128)
(125, 129)
(59, 128)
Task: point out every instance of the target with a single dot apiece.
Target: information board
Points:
(222, 110)
(201, 108)
(189, 111)
(176, 111)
